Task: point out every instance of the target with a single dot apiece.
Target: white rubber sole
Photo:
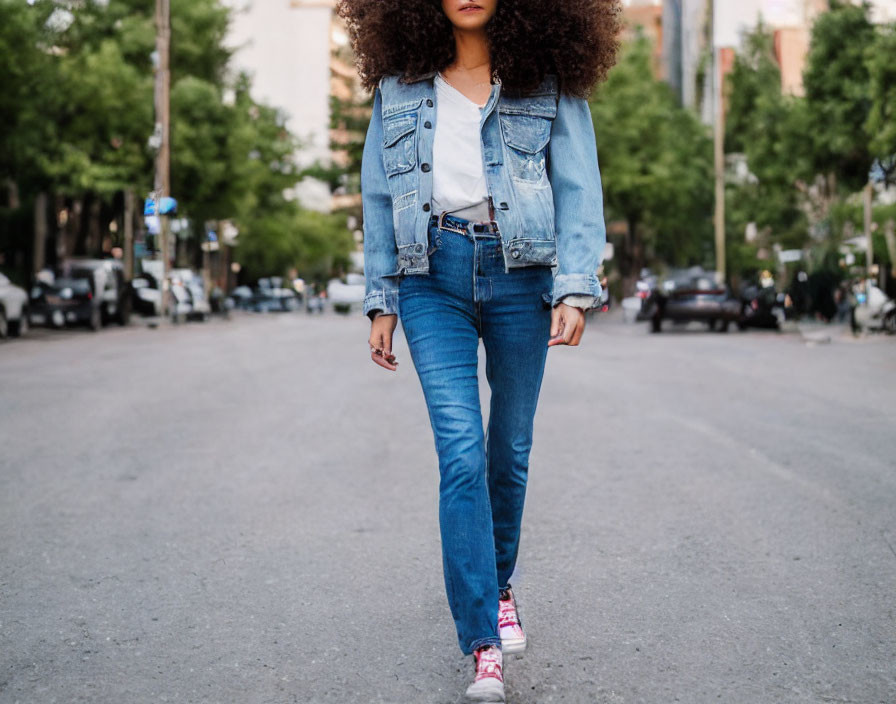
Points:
(511, 646)
(489, 690)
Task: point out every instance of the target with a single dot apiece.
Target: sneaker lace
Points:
(488, 664)
(507, 615)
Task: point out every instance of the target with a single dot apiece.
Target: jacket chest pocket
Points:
(526, 133)
(400, 142)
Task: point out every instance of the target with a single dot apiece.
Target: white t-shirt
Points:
(458, 178)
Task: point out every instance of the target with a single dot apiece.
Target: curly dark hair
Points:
(577, 40)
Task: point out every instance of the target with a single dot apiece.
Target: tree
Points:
(77, 110)
(881, 125)
(769, 130)
(838, 94)
(656, 165)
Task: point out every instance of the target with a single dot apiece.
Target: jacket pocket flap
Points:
(526, 132)
(394, 128)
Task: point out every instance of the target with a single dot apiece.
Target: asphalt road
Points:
(245, 512)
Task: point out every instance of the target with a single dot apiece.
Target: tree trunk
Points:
(40, 232)
(128, 234)
(73, 228)
(12, 194)
(94, 236)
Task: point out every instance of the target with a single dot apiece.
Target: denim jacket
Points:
(541, 169)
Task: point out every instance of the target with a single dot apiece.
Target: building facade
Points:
(285, 45)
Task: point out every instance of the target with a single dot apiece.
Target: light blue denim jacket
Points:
(542, 173)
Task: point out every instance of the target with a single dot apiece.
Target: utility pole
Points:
(163, 129)
(719, 161)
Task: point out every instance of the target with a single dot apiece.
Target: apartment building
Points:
(286, 46)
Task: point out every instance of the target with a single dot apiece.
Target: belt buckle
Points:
(442, 226)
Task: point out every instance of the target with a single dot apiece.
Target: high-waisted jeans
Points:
(467, 295)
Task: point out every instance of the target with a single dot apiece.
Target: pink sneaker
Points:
(488, 686)
(513, 640)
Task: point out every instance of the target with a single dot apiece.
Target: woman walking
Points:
(483, 218)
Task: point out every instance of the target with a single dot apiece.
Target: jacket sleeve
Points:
(380, 252)
(574, 174)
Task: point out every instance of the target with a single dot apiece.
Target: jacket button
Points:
(426, 207)
(418, 247)
(428, 102)
(427, 124)
(515, 253)
(424, 167)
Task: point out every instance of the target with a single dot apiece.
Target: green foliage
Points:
(77, 110)
(314, 243)
(754, 81)
(656, 165)
(26, 67)
(838, 93)
(881, 124)
(105, 116)
(770, 130)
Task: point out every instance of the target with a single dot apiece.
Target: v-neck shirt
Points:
(458, 176)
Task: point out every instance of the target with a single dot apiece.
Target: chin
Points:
(470, 23)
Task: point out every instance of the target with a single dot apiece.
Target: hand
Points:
(381, 329)
(567, 325)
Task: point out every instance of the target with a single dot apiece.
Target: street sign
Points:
(168, 206)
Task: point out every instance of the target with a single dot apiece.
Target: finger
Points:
(560, 337)
(580, 329)
(569, 329)
(384, 362)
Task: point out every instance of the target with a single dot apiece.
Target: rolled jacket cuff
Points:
(580, 284)
(385, 300)
(579, 301)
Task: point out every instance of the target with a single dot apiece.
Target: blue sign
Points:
(168, 206)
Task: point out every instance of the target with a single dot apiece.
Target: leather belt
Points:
(454, 224)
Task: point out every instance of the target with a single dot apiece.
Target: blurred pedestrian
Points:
(483, 218)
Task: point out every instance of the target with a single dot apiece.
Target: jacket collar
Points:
(419, 77)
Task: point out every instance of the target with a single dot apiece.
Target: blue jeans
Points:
(467, 295)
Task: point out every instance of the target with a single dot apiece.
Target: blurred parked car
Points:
(242, 297)
(346, 295)
(272, 296)
(13, 309)
(110, 286)
(874, 310)
(147, 298)
(692, 295)
(68, 300)
(180, 305)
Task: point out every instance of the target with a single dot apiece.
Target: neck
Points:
(471, 49)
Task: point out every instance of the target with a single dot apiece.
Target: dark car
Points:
(67, 300)
(692, 296)
(112, 288)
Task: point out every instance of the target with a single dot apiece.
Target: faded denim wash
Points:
(542, 173)
(466, 295)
